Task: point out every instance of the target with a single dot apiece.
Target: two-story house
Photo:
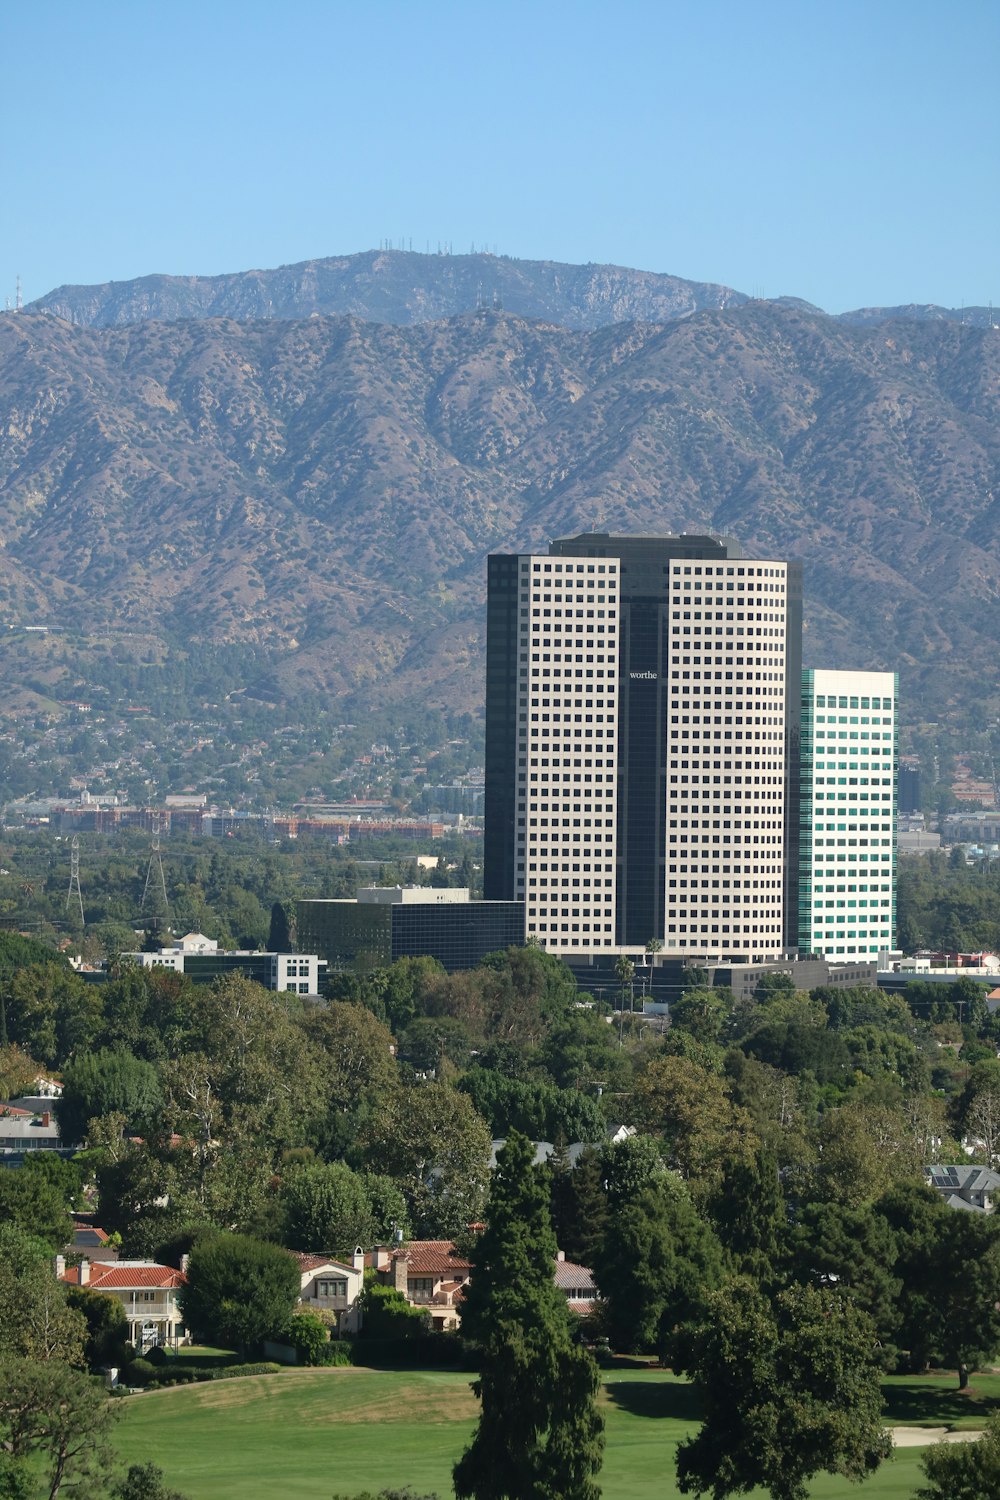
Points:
(965, 1186)
(433, 1274)
(429, 1273)
(332, 1286)
(148, 1292)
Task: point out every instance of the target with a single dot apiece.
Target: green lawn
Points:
(307, 1434)
(935, 1400)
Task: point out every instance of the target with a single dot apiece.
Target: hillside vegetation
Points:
(320, 496)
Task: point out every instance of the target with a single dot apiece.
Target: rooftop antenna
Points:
(74, 900)
(155, 889)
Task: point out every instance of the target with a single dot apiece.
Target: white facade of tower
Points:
(566, 801)
(725, 803)
(847, 905)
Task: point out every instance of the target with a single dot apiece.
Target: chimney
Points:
(358, 1260)
(84, 1271)
(400, 1270)
(60, 1266)
(380, 1258)
(46, 1118)
(184, 1264)
(560, 1255)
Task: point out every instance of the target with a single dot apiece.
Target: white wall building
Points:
(642, 716)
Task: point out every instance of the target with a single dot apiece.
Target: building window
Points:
(328, 1287)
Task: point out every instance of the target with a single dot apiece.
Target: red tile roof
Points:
(433, 1258)
(123, 1277)
(312, 1262)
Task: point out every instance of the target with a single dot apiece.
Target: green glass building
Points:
(847, 814)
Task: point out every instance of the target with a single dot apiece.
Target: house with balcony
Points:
(429, 1273)
(433, 1274)
(148, 1293)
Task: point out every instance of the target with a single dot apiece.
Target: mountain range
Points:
(397, 286)
(322, 492)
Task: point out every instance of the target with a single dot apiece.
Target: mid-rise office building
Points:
(386, 923)
(642, 724)
(847, 862)
(201, 960)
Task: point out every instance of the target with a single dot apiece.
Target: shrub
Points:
(336, 1354)
(307, 1337)
(140, 1372)
(234, 1372)
(157, 1355)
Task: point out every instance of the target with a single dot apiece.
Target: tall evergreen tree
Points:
(750, 1218)
(540, 1436)
(583, 1231)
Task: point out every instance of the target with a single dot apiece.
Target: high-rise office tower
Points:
(642, 723)
(847, 865)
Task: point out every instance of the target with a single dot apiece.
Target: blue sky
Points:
(846, 153)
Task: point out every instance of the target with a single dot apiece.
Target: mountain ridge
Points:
(322, 494)
(399, 286)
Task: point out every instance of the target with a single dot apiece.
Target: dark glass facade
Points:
(501, 730)
(353, 935)
(457, 935)
(793, 752)
(362, 935)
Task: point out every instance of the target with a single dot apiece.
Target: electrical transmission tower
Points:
(154, 895)
(74, 899)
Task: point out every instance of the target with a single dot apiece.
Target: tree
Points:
(789, 1389)
(145, 1482)
(582, 1227)
(750, 1217)
(37, 1203)
(107, 1082)
(855, 1250)
(308, 1337)
(535, 1109)
(625, 974)
(432, 1142)
(692, 1109)
(18, 1072)
(967, 1267)
(239, 1291)
(107, 1326)
(357, 1059)
(964, 1471)
(59, 1421)
(656, 1265)
(326, 1207)
(36, 1320)
(51, 1012)
(540, 1433)
(630, 1167)
(701, 1012)
(281, 936)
